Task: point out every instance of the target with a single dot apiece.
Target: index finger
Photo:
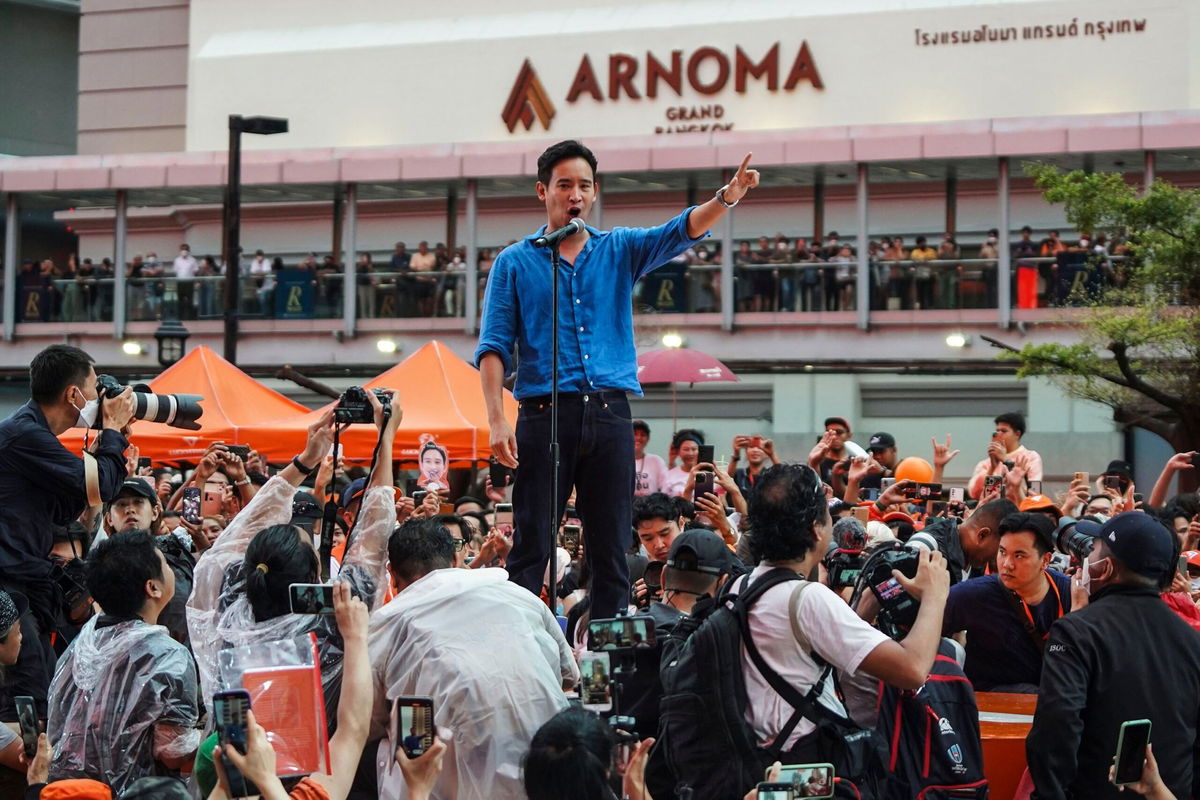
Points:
(745, 163)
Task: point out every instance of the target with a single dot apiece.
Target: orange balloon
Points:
(914, 469)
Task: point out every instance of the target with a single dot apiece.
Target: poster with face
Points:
(434, 464)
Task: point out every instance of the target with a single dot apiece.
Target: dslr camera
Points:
(897, 608)
(354, 407)
(1072, 542)
(176, 410)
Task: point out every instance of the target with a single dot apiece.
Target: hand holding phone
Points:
(191, 505)
(412, 724)
(311, 598)
(27, 719)
(1131, 751)
(231, 709)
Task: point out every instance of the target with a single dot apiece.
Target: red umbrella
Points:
(681, 365)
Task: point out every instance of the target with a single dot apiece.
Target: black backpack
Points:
(936, 753)
(705, 746)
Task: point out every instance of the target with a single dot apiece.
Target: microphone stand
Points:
(555, 456)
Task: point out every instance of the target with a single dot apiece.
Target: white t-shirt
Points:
(651, 473)
(674, 482)
(185, 266)
(835, 632)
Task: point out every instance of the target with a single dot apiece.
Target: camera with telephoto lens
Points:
(843, 566)
(176, 410)
(897, 608)
(354, 407)
(1071, 542)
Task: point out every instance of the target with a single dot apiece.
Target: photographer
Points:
(1124, 656)
(43, 484)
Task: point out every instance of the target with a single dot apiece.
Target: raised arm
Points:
(1158, 495)
(704, 217)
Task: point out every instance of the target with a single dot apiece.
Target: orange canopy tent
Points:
(441, 396)
(232, 400)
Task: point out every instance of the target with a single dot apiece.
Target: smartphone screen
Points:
(504, 518)
(1183, 566)
(775, 791)
(311, 598)
(413, 724)
(569, 540)
(229, 717)
(707, 455)
(1131, 751)
(28, 719)
(808, 780)
(636, 632)
(595, 683)
(705, 484)
(190, 509)
(1035, 487)
(143, 462)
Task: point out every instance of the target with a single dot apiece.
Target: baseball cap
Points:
(76, 789)
(881, 441)
(1137, 540)
(837, 420)
(1039, 502)
(13, 606)
(156, 787)
(138, 487)
(1192, 556)
(700, 551)
(353, 491)
(305, 507)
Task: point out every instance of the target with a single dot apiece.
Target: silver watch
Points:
(720, 195)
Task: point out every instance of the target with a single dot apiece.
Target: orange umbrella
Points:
(232, 401)
(441, 397)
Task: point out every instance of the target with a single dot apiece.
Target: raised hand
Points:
(743, 181)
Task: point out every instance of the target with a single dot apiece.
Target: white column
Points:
(863, 270)
(350, 268)
(471, 280)
(120, 234)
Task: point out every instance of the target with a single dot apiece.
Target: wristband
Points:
(246, 481)
(300, 466)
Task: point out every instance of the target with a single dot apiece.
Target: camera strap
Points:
(91, 479)
(1025, 616)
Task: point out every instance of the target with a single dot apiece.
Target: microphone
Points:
(552, 239)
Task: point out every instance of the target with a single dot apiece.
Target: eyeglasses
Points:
(459, 544)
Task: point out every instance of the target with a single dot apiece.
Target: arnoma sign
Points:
(707, 71)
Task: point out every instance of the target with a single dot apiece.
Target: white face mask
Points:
(1195, 583)
(87, 414)
(1085, 572)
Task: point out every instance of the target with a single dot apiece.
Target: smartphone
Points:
(862, 514)
(311, 598)
(191, 505)
(1112, 482)
(621, 633)
(707, 454)
(229, 716)
(242, 451)
(1083, 476)
(595, 682)
(958, 495)
(210, 502)
(27, 718)
(1035, 487)
(1182, 566)
(705, 484)
(886, 483)
(143, 462)
(412, 718)
(446, 508)
(569, 540)
(501, 475)
(411, 487)
(504, 518)
(1131, 751)
(809, 780)
(419, 496)
(923, 491)
(991, 482)
(775, 791)
(869, 495)
(1196, 460)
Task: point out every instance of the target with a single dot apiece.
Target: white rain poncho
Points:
(111, 688)
(493, 659)
(219, 614)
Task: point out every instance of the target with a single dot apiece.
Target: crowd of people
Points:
(772, 273)
(124, 620)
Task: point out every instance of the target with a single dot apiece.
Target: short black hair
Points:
(56, 368)
(446, 520)
(563, 151)
(641, 425)
(991, 514)
(570, 756)
(418, 547)
(481, 518)
(687, 433)
(655, 506)
(788, 501)
(117, 570)
(1014, 420)
(1039, 525)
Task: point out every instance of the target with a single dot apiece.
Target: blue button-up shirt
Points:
(595, 313)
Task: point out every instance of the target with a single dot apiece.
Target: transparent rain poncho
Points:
(219, 615)
(121, 696)
(493, 659)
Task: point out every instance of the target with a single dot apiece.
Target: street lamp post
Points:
(233, 217)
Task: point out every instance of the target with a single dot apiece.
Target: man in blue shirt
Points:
(597, 365)
(1007, 616)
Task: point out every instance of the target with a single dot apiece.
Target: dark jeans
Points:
(596, 446)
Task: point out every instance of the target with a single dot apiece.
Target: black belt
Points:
(574, 397)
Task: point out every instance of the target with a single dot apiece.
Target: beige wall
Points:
(133, 63)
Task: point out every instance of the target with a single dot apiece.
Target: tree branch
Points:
(1126, 416)
(1120, 351)
(1061, 364)
(287, 372)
